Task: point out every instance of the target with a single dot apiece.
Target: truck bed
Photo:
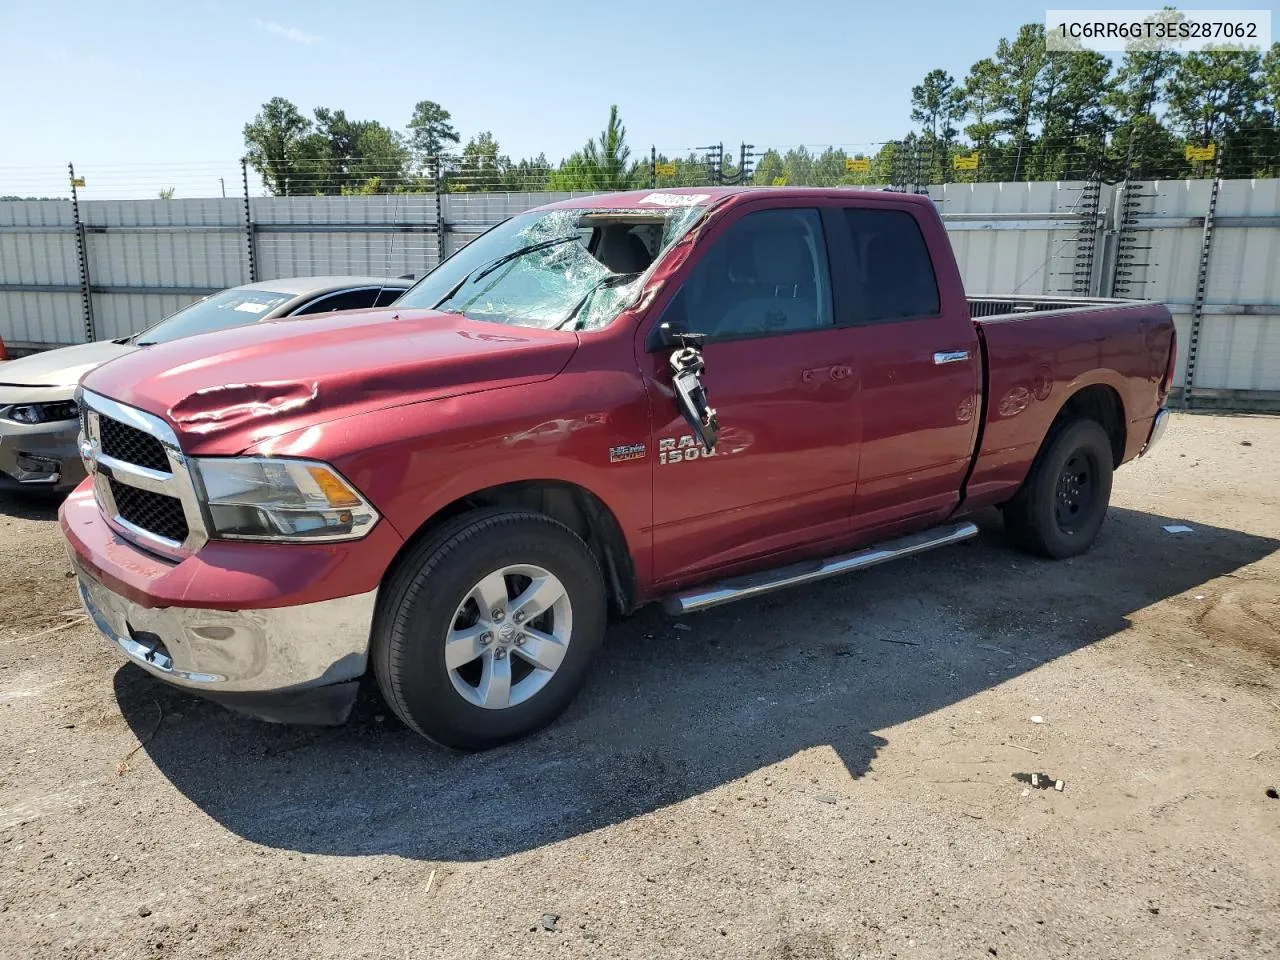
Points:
(995, 306)
(1039, 351)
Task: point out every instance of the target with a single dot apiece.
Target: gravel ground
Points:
(845, 770)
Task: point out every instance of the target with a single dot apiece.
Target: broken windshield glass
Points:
(579, 267)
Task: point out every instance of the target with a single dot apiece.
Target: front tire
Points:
(1061, 505)
(486, 629)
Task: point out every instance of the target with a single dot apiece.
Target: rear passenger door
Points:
(919, 363)
(780, 374)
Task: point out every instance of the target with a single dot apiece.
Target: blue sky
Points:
(143, 95)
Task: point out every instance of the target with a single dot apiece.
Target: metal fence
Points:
(77, 270)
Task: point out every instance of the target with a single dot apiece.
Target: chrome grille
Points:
(141, 479)
(131, 445)
(154, 512)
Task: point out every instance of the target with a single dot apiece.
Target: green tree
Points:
(828, 168)
(1019, 65)
(527, 175)
(937, 104)
(382, 154)
(691, 171)
(609, 156)
(1142, 143)
(482, 166)
(603, 163)
(1271, 82)
(981, 97)
(277, 146)
(1268, 151)
(797, 167)
(349, 153)
(431, 131)
(1072, 116)
(768, 169)
(1213, 97)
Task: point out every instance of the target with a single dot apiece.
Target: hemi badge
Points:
(628, 451)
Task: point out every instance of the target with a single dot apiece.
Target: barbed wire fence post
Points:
(1202, 286)
(435, 169)
(82, 257)
(249, 243)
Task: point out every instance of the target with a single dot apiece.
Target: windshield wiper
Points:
(484, 270)
(608, 280)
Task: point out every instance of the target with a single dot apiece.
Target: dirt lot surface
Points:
(838, 771)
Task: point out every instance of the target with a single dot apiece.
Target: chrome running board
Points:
(755, 584)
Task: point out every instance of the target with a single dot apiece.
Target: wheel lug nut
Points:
(520, 639)
(499, 654)
(486, 638)
(498, 615)
(519, 616)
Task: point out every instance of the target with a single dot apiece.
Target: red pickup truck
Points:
(691, 396)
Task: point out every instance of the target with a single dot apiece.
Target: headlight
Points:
(30, 413)
(270, 498)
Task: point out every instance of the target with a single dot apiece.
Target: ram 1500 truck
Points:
(691, 396)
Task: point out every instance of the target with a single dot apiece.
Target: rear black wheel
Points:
(1061, 505)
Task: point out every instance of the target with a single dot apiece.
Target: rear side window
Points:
(892, 275)
(344, 300)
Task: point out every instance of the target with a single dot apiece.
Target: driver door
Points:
(782, 378)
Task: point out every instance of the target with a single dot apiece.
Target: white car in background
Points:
(39, 422)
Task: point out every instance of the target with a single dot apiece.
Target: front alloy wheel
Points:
(509, 636)
(486, 627)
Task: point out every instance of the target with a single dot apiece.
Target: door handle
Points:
(950, 356)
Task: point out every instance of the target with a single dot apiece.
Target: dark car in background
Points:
(38, 415)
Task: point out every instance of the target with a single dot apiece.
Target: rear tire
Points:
(485, 631)
(1061, 505)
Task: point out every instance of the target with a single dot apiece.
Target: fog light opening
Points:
(33, 469)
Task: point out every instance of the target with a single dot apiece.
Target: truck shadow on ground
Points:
(671, 713)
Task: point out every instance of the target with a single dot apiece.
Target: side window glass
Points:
(767, 274)
(389, 295)
(892, 276)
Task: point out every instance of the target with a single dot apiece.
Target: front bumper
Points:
(40, 456)
(291, 664)
(1158, 426)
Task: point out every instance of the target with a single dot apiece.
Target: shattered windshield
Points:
(576, 268)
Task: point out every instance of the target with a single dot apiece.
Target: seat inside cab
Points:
(625, 243)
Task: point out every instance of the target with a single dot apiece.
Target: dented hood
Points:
(225, 391)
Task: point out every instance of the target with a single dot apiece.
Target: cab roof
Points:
(666, 198)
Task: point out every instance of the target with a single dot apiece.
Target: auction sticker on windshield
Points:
(676, 199)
